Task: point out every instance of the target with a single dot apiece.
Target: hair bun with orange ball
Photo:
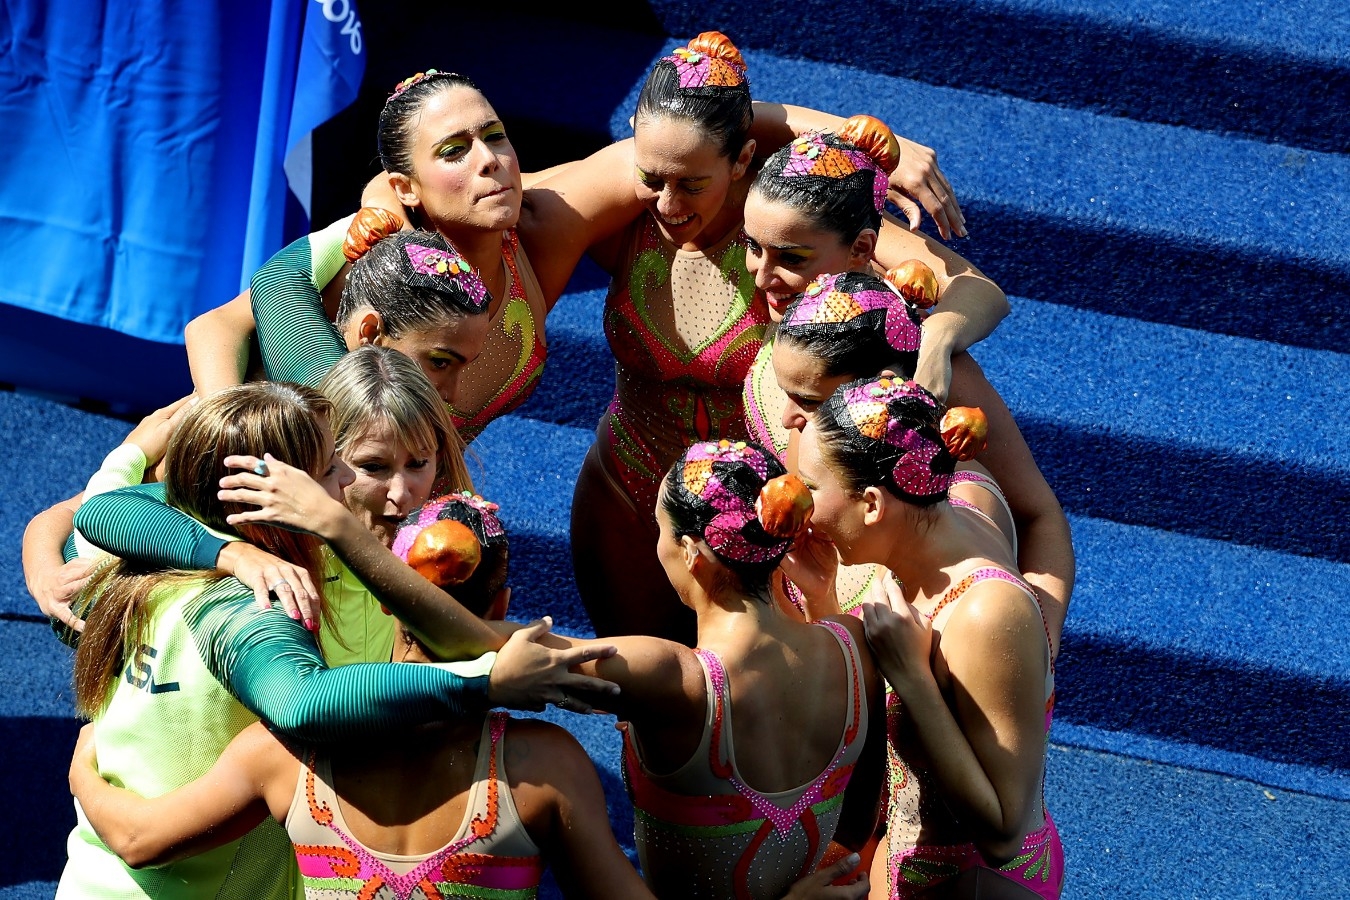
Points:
(916, 282)
(718, 46)
(784, 506)
(873, 137)
(965, 431)
(446, 553)
(370, 224)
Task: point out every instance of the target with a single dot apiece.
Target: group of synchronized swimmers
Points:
(788, 529)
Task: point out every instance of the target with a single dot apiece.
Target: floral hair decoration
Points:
(836, 299)
(812, 155)
(726, 532)
(924, 468)
(698, 69)
(415, 79)
(433, 267)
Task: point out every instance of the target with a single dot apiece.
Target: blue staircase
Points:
(1162, 189)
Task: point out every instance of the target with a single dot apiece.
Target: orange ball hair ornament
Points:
(965, 431)
(784, 506)
(873, 137)
(718, 46)
(446, 553)
(916, 282)
(370, 224)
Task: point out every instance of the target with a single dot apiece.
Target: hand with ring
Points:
(266, 575)
(283, 495)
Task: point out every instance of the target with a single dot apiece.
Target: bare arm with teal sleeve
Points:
(271, 664)
(296, 340)
(135, 523)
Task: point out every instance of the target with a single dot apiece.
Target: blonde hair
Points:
(373, 386)
(283, 419)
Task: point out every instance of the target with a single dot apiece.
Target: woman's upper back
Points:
(449, 821)
(761, 795)
(814, 687)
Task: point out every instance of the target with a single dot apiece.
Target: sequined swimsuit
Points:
(702, 832)
(684, 327)
(491, 856)
(914, 801)
(507, 371)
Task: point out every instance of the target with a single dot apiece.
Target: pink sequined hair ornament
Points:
(709, 60)
(438, 268)
(903, 416)
(832, 300)
(704, 472)
(823, 155)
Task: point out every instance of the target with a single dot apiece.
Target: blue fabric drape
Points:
(137, 135)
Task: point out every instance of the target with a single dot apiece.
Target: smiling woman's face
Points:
(785, 250)
(681, 176)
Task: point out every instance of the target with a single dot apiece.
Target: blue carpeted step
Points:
(1278, 71)
(1207, 643)
(1202, 433)
(1133, 828)
(1135, 219)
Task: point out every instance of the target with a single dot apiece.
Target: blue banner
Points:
(145, 144)
(309, 77)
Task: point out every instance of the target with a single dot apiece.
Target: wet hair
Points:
(477, 592)
(373, 386)
(703, 83)
(838, 190)
(398, 120)
(274, 417)
(414, 280)
(711, 494)
(855, 324)
(883, 432)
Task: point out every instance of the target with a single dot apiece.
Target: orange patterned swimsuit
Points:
(684, 327)
(491, 856)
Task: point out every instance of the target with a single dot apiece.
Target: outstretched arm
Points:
(970, 305)
(218, 345)
(576, 207)
(254, 775)
(52, 580)
(526, 673)
(1045, 553)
